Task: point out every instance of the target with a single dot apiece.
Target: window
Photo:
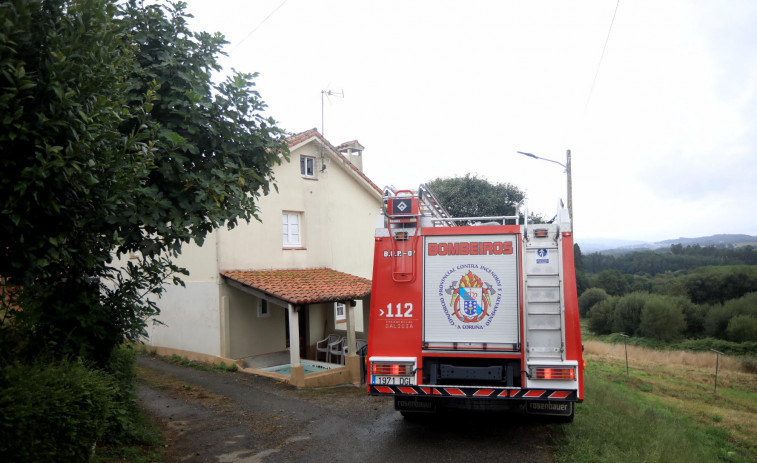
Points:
(291, 229)
(307, 166)
(340, 313)
(263, 310)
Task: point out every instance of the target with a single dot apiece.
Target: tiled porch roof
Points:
(303, 286)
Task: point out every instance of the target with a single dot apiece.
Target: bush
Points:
(600, 316)
(627, 315)
(717, 319)
(742, 328)
(126, 423)
(662, 319)
(589, 298)
(52, 412)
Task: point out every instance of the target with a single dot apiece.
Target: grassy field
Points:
(664, 409)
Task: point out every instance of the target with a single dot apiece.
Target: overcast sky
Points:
(663, 141)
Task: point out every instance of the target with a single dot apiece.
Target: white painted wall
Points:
(338, 221)
(191, 318)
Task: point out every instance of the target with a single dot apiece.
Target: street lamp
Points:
(565, 166)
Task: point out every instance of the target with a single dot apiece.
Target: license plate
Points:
(393, 380)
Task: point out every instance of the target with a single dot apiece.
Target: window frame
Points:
(286, 238)
(264, 308)
(304, 159)
(340, 318)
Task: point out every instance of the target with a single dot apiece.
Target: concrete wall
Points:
(249, 334)
(191, 319)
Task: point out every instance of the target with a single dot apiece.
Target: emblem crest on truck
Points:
(471, 300)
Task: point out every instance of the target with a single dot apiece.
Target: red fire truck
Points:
(474, 312)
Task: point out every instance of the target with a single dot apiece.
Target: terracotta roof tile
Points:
(303, 286)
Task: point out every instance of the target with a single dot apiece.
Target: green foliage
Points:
(601, 316)
(612, 281)
(742, 328)
(656, 262)
(52, 411)
(589, 298)
(717, 320)
(202, 366)
(713, 285)
(472, 196)
(662, 319)
(627, 315)
(127, 424)
(582, 280)
(114, 138)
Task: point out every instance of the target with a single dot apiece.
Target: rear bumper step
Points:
(476, 392)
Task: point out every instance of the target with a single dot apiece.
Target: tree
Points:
(627, 315)
(661, 319)
(582, 280)
(589, 298)
(612, 281)
(472, 196)
(601, 316)
(115, 140)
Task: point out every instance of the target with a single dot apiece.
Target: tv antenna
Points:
(328, 93)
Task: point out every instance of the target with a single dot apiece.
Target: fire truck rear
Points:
(474, 312)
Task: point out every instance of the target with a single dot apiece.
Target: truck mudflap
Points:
(549, 395)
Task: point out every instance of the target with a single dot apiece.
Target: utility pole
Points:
(567, 168)
(570, 192)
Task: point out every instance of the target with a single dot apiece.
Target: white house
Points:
(301, 273)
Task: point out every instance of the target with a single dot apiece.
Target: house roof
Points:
(303, 137)
(303, 286)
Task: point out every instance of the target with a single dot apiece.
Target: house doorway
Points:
(304, 332)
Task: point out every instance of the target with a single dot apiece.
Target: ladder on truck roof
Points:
(431, 208)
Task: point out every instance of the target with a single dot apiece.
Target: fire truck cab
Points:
(473, 312)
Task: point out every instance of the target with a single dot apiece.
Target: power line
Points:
(258, 26)
(601, 57)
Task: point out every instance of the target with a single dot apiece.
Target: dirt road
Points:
(214, 416)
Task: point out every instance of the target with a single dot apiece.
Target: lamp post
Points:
(565, 166)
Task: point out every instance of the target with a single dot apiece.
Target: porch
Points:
(298, 303)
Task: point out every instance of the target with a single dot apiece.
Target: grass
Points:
(149, 452)
(665, 409)
(175, 359)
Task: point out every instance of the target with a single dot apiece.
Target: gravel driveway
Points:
(215, 416)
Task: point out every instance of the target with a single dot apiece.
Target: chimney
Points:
(353, 151)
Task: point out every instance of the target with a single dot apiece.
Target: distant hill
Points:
(616, 246)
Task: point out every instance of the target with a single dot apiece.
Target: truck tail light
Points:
(554, 373)
(392, 369)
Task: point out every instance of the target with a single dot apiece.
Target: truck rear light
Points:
(392, 369)
(541, 233)
(554, 373)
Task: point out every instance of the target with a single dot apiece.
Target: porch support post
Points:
(297, 376)
(352, 361)
(351, 328)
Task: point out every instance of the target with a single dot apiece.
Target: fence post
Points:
(717, 364)
(625, 345)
